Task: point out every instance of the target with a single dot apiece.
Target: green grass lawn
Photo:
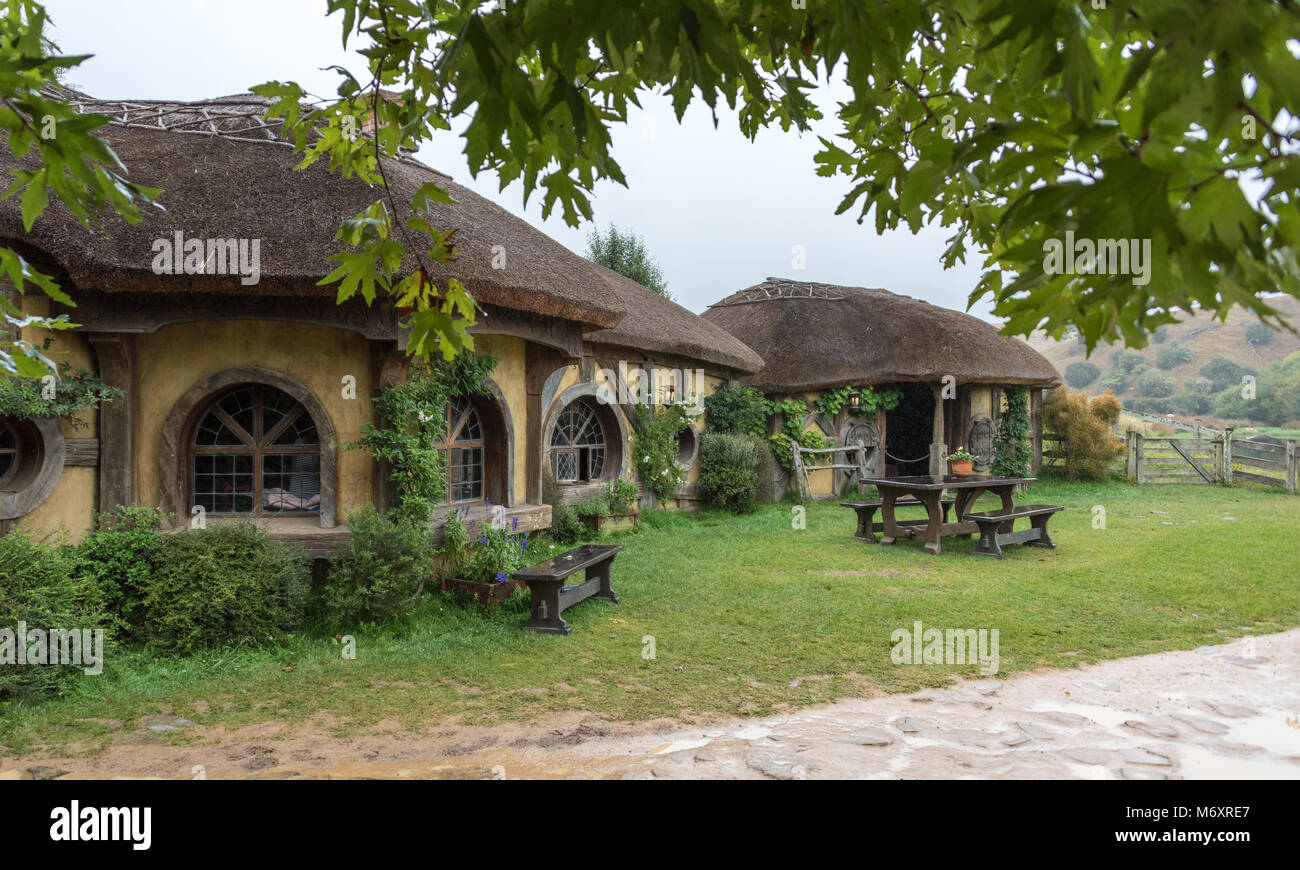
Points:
(748, 616)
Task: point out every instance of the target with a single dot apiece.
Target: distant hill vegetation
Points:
(1186, 367)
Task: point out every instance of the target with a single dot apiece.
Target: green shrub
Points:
(1155, 386)
(737, 410)
(1012, 450)
(1080, 374)
(566, 526)
(1128, 362)
(1114, 382)
(1259, 333)
(382, 572)
(39, 587)
(229, 582)
(1223, 373)
(1190, 404)
(655, 452)
(1083, 428)
(1175, 355)
(595, 506)
(119, 557)
(494, 555)
(621, 493)
(769, 473)
(729, 471)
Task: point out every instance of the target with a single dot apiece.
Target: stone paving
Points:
(1229, 711)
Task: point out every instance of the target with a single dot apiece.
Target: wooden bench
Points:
(551, 597)
(996, 528)
(867, 511)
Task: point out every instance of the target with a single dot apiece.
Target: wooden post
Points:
(1227, 456)
(938, 459)
(1137, 452)
(1130, 456)
(115, 355)
(1197, 431)
(800, 474)
(1218, 459)
(936, 433)
(1292, 484)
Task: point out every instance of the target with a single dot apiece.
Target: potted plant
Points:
(614, 510)
(961, 462)
(478, 562)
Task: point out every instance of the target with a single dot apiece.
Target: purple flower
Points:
(514, 524)
(501, 577)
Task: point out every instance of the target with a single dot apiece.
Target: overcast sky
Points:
(718, 211)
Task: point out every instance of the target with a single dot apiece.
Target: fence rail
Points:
(1220, 460)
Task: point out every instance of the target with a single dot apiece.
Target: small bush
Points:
(494, 555)
(226, 583)
(40, 587)
(1155, 386)
(1084, 431)
(1128, 362)
(1175, 355)
(566, 526)
(119, 557)
(1223, 373)
(1115, 383)
(1189, 404)
(1259, 333)
(381, 573)
(729, 467)
(737, 410)
(622, 494)
(1080, 374)
(596, 506)
(769, 473)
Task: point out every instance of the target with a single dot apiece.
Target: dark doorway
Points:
(908, 429)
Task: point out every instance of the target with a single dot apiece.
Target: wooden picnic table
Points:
(928, 490)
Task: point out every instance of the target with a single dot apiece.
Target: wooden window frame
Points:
(258, 446)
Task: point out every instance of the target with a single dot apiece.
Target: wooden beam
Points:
(115, 355)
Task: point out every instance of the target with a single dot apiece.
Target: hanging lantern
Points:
(855, 401)
(669, 390)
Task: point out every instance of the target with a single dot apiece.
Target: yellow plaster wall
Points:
(70, 507)
(176, 357)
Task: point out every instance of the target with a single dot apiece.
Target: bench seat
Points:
(867, 510)
(996, 528)
(550, 597)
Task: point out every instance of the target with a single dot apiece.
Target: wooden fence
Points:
(1223, 460)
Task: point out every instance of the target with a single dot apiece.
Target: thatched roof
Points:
(657, 325)
(823, 336)
(225, 174)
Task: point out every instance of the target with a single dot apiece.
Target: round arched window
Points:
(255, 451)
(463, 450)
(10, 453)
(578, 447)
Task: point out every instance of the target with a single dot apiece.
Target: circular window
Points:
(9, 453)
(31, 462)
(688, 442)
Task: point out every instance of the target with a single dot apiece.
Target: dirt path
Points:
(1227, 711)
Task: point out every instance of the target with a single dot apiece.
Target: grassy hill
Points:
(1203, 335)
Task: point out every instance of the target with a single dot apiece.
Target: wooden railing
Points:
(1222, 460)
